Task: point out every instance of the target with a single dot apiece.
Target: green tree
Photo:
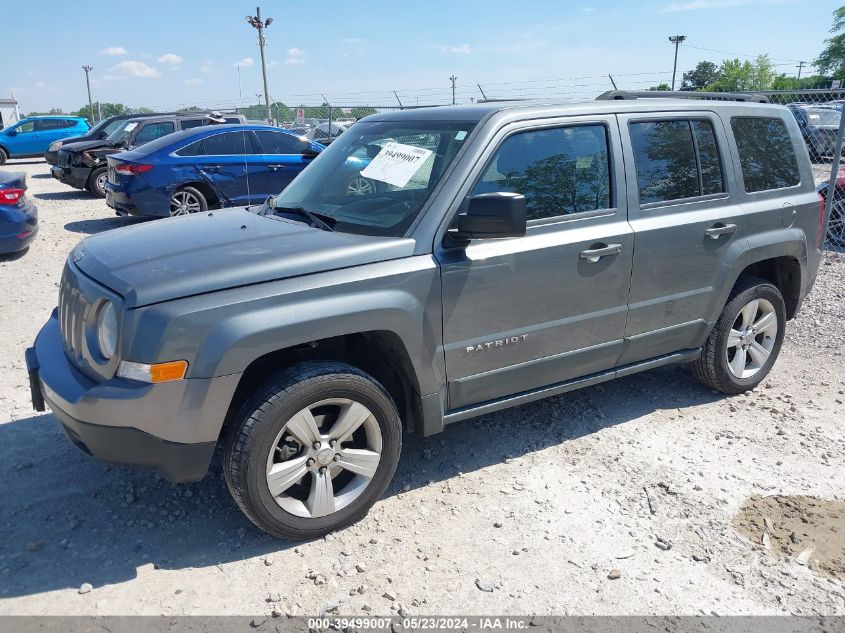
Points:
(737, 76)
(661, 87)
(832, 58)
(704, 74)
(360, 113)
(107, 109)
(784, 82)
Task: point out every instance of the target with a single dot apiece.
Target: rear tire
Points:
(3, 156)
(186, 201)
(325, 436)
(97, 182)
(746, 340)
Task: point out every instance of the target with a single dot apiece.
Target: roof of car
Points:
(478, 111)
(56, 116)
(201, 130)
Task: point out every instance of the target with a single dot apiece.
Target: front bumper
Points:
(170, 428)
(74, 176)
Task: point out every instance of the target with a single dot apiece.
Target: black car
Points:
(18, 215)
(83, 165)
(99, 132)
(819, 127)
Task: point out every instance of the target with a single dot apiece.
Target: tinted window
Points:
(676, 159)
(559, 171)
(766, 153)
(708, 158)
(227, 144)
(189, 123)
(194, 149)
(54, 124)
(153, 131)
(23, 128)
(280, 143)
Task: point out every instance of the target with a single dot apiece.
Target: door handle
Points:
(595, 254)
(211, 168)
(718, 230)
(276, 167)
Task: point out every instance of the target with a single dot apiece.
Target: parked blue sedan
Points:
(208, 167)
(18, 215)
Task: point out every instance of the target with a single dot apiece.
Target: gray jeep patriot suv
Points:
(500, 253)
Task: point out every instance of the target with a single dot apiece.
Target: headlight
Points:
(107, 330)
(54, 147)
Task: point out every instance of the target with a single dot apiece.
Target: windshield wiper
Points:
(314, 217)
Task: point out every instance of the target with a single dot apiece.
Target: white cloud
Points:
(135, 69)
(170, 58)
(196, 81)
(354, 40)
(463, 49)
(114, 50)
(208, 67)
(246, 62)
(295, 56)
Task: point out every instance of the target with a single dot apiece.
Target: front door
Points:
(526, 312)
(27, 139)
(232, 166)
(283, 157)
(686, 220)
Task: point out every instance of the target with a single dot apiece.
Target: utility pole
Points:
(676, 40)
(800, 68)
(453, 79)
(87, 70)
(255, 22)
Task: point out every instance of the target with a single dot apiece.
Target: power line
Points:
(713, 50)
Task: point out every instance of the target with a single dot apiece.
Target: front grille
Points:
(64, 158)
(73, 312)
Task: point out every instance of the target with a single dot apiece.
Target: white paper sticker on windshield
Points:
(396, 163)
(130, 126)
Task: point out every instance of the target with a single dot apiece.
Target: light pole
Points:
(453, 79)
(676, 40)
(255, 22)
(87, 70)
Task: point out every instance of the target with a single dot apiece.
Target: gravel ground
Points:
(616, 499)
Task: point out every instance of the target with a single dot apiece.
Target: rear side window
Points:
(227, 144)
(560, 171)
(676, 159)
(187, 124)
(766, 153)
(280, 143)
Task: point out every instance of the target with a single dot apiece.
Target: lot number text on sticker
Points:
(396, 163)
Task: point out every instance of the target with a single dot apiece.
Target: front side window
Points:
(676, 159)
(766, 153)
(280, 142)
(560, 171)
(25, 128)
(154, 131)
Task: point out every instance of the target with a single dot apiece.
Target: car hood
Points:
(178, 257)
(82, 146)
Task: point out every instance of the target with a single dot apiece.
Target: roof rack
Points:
(683, 94)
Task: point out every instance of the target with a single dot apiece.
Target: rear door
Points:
(54, 129)
(687, 221)
(282, 158)
(527, 312)
(232, 165)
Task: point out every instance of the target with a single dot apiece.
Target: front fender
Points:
(221, 333)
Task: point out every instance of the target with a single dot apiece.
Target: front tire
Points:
(746, 340)
(97, 182)
(313, 450)
(3, 156)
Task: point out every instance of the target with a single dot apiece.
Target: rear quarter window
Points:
(766, 153)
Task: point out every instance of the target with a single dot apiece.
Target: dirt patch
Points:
(809, 530)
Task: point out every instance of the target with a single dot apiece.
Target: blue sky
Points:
(169, 54)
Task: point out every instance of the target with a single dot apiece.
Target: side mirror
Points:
(11, 132)
(493, 215)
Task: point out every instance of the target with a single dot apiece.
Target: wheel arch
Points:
(380, 353)
(205, 189)
(783, 272)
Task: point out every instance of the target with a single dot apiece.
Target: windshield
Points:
(122, 131)
(376, 176)
(824, 117)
